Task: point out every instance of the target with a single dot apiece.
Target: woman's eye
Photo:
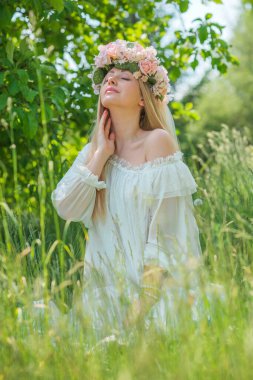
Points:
(106, 80)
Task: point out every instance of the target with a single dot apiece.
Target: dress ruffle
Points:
(124, 164)
(162, 177)
(171, 180)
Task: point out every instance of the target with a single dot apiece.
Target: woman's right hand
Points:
(106, 140)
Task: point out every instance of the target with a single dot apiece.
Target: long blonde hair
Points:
(155, 114)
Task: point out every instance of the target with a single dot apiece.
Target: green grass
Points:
(46, 263)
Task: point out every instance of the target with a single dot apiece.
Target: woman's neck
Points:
(125, 125)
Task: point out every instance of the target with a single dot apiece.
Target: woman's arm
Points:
(97, 162)
(75, 194)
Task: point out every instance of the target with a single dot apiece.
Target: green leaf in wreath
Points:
(130, 66)
(99, 75)
(130, 45)
(151, 81)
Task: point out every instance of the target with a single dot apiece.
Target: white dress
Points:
(150, 219)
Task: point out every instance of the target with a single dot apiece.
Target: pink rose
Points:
(102, 59)
(148, 67)
(112, 52)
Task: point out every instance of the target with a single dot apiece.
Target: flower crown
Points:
(141, 62)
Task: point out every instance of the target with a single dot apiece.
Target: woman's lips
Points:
(110, 89)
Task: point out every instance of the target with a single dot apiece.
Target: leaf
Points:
(28, 93)
(30, 122)
(5, 16)
(203, 34)
(222, 68)
(184, 5)
(60, 94)
(192, 39)
(205, 53)
(151, 80)
(222, 43)
(99, 75)
(57, 4)
(208, 16)
(14, 86)
(194, 64)
(23, 76)
(234, 60)
(1, 78)
(131, 66)
(24, 49)
(3, 101)
(47, 69)
(49, 112)
(58, 98)
(174, 73)
(10, 50)
(215, 61)
(197, 19)
(188, 106)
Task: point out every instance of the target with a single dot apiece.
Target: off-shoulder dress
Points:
(149, 220)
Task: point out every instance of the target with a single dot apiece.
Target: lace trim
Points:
(119, 162)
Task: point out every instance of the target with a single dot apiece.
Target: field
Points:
(39, 340)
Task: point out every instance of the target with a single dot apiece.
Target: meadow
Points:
(41, 265)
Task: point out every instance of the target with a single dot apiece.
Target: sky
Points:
(226, 14)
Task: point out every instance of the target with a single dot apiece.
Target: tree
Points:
(46, 103)
(229, 99)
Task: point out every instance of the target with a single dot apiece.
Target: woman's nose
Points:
(111, 79)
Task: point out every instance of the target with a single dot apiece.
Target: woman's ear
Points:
(141, 102)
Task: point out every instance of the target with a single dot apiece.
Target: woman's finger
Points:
(103, 119)
(107, 127)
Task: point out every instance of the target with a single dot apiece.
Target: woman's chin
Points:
(107, 102)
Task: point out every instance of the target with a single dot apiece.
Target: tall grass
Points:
(40, 341)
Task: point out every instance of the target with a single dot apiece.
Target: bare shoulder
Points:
(159, 143)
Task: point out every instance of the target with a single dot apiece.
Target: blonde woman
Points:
(131, 188)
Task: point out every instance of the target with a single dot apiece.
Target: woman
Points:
(132, 190)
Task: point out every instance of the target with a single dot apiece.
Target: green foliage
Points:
(228, 99)
(46, 110)
(52, 102)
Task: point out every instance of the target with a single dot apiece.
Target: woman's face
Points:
(125, 90)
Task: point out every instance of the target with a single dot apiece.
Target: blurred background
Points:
(47, 111)
(47, 49)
